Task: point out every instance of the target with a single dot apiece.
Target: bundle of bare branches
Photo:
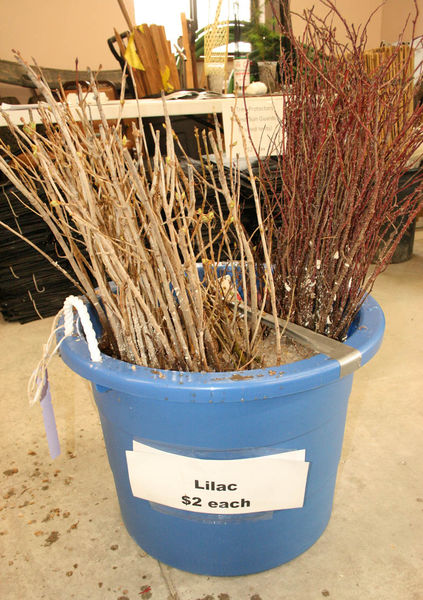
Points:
(348, 137)
(145, 225)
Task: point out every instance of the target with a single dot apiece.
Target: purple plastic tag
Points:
(49, 420)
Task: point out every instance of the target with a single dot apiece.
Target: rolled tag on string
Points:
(49, 419)
(38, 385)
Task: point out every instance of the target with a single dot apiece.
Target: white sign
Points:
(264, 114)
(236, 486)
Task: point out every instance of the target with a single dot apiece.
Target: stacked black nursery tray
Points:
(30, 286)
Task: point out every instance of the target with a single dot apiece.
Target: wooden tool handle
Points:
(187, 48)
(125, 14)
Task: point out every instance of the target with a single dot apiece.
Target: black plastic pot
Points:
(30, 286)
(407, 185)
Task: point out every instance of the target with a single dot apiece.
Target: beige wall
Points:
(55, 32)
(386, 24)
(394, 18)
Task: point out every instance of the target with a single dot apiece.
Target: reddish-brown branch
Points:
(348, 141)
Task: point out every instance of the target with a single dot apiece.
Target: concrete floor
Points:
(61, 535)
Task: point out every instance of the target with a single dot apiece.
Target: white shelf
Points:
(22, 113)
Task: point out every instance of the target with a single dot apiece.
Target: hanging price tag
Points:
(49, 419)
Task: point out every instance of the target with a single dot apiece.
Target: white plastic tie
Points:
(73, 302)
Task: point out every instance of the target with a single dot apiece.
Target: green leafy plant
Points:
(265, 42)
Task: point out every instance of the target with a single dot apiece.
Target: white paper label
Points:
(235, 486)
(264, 115)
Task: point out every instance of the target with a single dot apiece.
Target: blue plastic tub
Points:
(221, 416)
